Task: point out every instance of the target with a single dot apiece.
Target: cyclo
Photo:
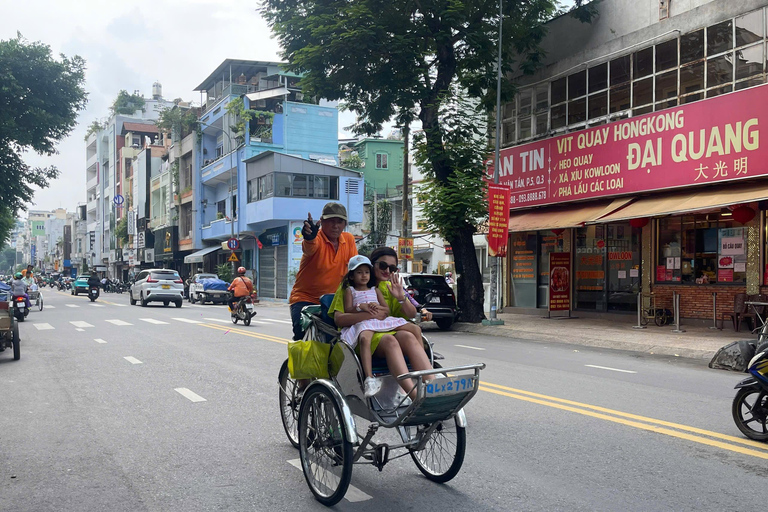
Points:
(320, 421)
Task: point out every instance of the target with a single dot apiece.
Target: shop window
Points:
(642, 92)
(749, 28)
(559, 92)
(666, 55)
(577, 85)
(749, 83)
(666, 86)
(524, 97)
(548, 242)
(509, 110)
(666, 104)
(643, 63)
(577, 111)
(749, 61)
(542, 97)
(719, 70)
(523, 269)
(558, 116)
(598, 105)
(508, 130)
(619, 99)
(701, 249)
(541, 123)
(720, 37)
(525, 128)
(717, 91)
(620, 70)
(598, 77)
(692, 46)
(692, 78)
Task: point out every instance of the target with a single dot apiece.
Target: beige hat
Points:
(332, 210)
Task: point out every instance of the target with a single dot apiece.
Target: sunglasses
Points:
(384, 267)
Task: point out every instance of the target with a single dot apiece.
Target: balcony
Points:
(91, 183)
(91, 162)
(92, 205)
(219, 229)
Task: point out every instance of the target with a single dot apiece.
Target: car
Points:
(157, 285)
(435, 294)
(80, 285)
(203, 288)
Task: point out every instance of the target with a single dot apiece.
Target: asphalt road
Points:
(114, 408)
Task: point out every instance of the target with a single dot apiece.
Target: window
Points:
(381, 161)
(221, 207)
(234, 206)
(320, 187)
(266, 186)
(299, 185)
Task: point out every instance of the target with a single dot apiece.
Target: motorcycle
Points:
(20, 309)
(93, 293)
(750, 405)
(244, 310)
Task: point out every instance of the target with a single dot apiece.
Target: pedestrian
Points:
(326, 249)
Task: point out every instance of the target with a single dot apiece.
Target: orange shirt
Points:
(241, 286)
(322, 267)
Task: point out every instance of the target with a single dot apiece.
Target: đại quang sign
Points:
(711, 141)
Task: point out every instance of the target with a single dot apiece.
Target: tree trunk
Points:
(469, 279)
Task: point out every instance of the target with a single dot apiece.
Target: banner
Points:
(498, 219)
(405, 248)
(710, 141)
(559, 281)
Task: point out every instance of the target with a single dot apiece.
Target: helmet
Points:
(17, 275)
(241, 270)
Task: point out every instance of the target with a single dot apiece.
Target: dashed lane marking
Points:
(353, 494)
(43, 327)
(218, 320)
(132, 360)
(80, 330)
(99, 340)
(279, 321)
(193, 397)
(153, 321)
(118, 322)
(72, 305)
(608, 368)
(50, 307)
(188, 320)
(93, 304)
(467, 346)
(81, 324)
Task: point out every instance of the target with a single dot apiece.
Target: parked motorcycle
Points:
(20, 309)
(750, 405)
(244, 310)
(93, 293)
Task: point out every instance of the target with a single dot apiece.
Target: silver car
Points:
(157, 285)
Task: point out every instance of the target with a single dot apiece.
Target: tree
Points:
(379, 222)
(94, 127)
(121, 231)
(127, 104)
(39, 100)
(400, 59)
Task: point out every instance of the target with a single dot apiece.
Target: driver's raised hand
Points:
(310, 229)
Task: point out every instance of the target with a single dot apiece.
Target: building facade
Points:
(635, 150)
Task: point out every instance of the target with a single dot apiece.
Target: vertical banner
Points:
(560, 281)
(405, 248)
(498, 219)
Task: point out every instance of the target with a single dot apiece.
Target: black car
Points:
(431, 291)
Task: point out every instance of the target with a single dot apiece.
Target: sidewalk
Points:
(698, 342)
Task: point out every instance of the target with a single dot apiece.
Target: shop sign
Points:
(405, 248)
(560, 281)
(498, 219)
(711, 141)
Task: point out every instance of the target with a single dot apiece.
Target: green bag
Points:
(308, 358)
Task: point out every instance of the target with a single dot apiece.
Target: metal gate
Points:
(267, 272)
(282, 272)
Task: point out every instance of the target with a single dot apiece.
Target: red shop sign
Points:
(706, 142)
(560, 281)
(498, 219)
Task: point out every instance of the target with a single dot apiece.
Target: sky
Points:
(130, 45)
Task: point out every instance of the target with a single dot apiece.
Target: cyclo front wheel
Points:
(289, 404)
(443, 455)
(325, 450)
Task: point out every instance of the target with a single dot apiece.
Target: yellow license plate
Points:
(166, 287)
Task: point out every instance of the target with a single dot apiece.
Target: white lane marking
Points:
(218, 320)
(132, 360)
(99, 340)
(81, 330)
(467, 346)
(118, 322)
(607, 368)
(280, 321)
(72, 305)
(120, 305)
(153, 321)
(194, 397)
(50, 307)
(188, 320)
(43, 327)
(353, 494)
(79, 323)
(93, 304)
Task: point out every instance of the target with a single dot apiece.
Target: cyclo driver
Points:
(241, 287)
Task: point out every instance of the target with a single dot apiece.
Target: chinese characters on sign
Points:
(559, 281)
(706, 142)
(498, 219)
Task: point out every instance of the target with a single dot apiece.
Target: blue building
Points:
(297, 136)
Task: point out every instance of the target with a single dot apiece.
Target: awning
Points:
(268, 93)
(197, 257)
(559, 217)
(690, 201)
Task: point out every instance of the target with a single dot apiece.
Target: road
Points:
(122, 408)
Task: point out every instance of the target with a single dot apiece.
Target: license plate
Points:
(434, 299)
(249, 307)
(166, 287)
(94, 292)
(449, 386)
(21, 306)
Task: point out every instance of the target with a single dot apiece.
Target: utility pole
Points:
(495, 259)
(406, 134)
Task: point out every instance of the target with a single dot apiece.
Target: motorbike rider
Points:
(19, 288)
(93, 281)
(241, 287)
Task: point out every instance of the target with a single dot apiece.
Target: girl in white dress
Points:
(360, 295)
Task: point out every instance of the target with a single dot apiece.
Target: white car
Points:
(157, 285)
(197, 290)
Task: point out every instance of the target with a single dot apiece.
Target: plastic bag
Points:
(309, 358)
(734, 356)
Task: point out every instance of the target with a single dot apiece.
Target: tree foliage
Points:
(381, 211)
(121, 231)
(401, 59)
(94, 127)
(40, 97)
(176, 121)
(127, 104)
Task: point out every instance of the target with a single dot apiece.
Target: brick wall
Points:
(696, 301)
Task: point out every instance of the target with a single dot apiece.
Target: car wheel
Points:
(131, 299)
(444, 323)
(178, 303)
(192, 298)
(144, 301)
(203, 298)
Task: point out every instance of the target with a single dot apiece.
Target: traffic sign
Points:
(233, 244)
(233, 258)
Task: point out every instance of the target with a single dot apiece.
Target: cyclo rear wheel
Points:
(289, 404)
(325, 450)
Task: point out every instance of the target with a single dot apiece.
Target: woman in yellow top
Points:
(393, 345)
